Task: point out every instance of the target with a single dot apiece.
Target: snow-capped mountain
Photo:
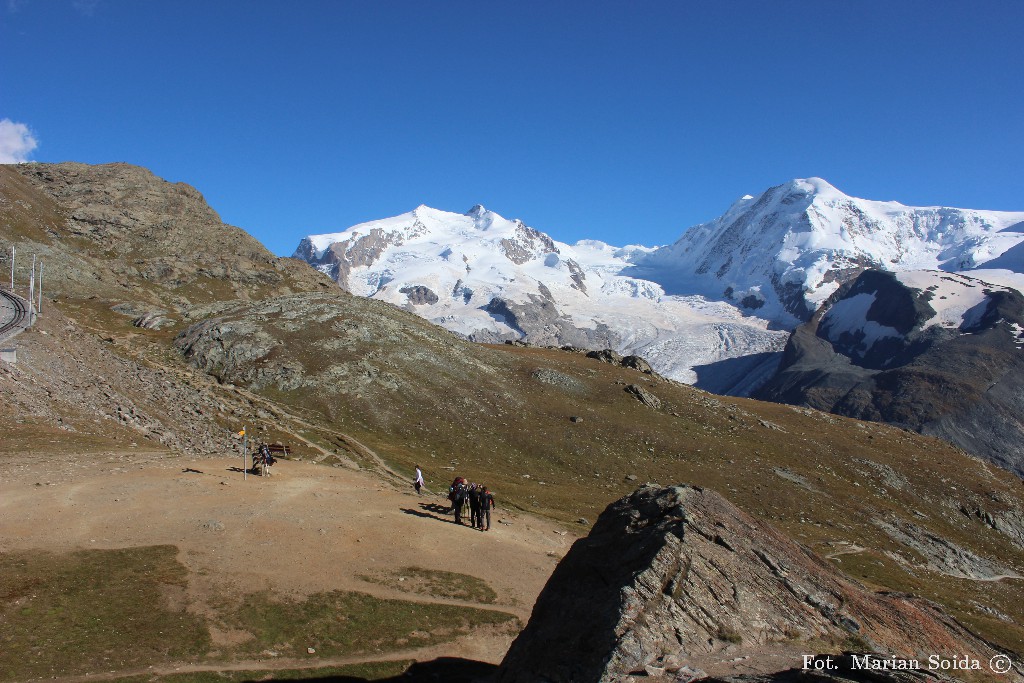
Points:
(783, 252)
(712, 308)
(940, 353)
(492, 279)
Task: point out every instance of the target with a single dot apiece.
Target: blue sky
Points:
(621, 121)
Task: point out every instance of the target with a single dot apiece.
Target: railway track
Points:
(14, 316)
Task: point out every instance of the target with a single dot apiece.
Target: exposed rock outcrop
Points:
(882, 350)
(609, 356)
(558, 379)
(637, 363)
(527, 243)
(338, 260)
(942, 555)
(539, 320)
(644, 396)
(606, 356)
(678, 577)
(419, 295)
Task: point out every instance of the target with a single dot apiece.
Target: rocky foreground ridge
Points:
(673, 581)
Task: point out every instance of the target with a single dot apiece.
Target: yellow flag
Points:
(241, 433)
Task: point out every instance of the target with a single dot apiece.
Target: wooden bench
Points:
(259, 462)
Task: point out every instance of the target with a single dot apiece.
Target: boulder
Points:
(644, 396)
(638, 363)
(606, 356)
(678, 579)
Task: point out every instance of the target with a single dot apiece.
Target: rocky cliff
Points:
(673, 581)
(937, 353)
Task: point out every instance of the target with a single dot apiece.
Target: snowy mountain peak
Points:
(423, 212)
(813, 185)
(782, 253)
(797, 194)
(477, 211)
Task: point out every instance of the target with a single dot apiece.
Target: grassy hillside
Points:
(869, 495)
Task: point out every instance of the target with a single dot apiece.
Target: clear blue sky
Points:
(621, 121)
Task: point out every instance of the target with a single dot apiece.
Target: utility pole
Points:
(31, 293)
(39, 307)
(12, 270)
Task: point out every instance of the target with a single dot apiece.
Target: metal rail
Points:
(19, 321)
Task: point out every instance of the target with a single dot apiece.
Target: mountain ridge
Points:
(816, 236)
(725, 291)
(932, 352)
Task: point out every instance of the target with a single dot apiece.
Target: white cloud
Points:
(16, 142)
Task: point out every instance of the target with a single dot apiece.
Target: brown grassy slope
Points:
(329, 371)
(120, 232)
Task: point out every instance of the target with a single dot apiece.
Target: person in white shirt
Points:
(418, 481)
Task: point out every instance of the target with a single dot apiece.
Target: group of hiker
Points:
(481, 502)
(461, 492)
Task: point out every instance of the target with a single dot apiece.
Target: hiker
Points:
(474, 506)
(457, 494)
(264, 460)
(486, 504)
(418, 481)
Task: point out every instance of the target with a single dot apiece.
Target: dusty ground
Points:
(307, 528)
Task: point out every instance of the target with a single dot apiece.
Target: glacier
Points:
(714, 309)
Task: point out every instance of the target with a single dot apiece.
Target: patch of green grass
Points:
(93, 610)
(343, 623)
(96, 611)
(437, 583)
(729, 635)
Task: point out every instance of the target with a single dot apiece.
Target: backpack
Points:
(457, 491)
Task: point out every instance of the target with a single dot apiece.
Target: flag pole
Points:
(245, 444)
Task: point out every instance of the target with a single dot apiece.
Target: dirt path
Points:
(307, 528)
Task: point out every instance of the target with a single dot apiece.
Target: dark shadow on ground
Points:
(427, 515)
(252, 472)
(441, 670)
(189, 470)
